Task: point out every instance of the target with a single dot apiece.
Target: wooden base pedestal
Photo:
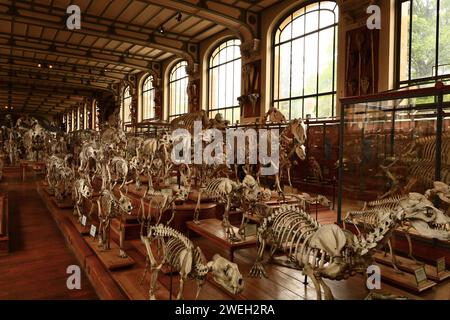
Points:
(404, 280)
(110, 258)
(65, 204)
(4, 225)
(212, 229)
(409, 266)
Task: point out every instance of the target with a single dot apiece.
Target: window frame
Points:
(274, 45)
(176, 66)
(215, 51)
(151, 92)
(398, 37)
(122, 111)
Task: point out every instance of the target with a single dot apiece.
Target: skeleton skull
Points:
(251, 189)
(429, 221)
(125, 203)
(226, 273)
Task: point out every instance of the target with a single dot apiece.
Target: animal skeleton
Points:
(418, 158)
(110, 207)
(320, 251)
(82, 189)
(225, 191)
(118, 166)
(182, 256)
(419, 214)
(292, 140)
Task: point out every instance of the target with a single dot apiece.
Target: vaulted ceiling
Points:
(46, 68)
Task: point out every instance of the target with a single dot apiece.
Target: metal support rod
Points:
(341, 165)
(439, 120)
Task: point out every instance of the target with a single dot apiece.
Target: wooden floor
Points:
(36, 267)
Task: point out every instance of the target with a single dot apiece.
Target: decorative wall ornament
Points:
(250, 49)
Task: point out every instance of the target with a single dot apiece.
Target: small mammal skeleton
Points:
(180, 253)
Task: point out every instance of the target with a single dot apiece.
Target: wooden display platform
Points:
(4, 225)
(110, 258)
(404, 280)
(65, 204)
(409, 266)
(84, 230)
(212, 229)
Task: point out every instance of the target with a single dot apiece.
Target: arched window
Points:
(148, 99)
(178, 82)
(126, 103)
(225, 80)
(305, 55)
(424, 41)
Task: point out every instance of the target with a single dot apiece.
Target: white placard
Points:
(440, 265)
(93, 231)
(83, 221)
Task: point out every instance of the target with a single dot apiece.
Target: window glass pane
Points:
(225, 80)
(178, 90)
(325, 107)
(312, 21)
(310, 107)
(327, 18)
(326, 58)
(296, 109)
(444, 38)
(283, 106)
(311, 64)
(423, 48)
(297, 67)
(286, 33)
(285, 70)
(298, 28)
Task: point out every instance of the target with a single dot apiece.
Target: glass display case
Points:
(393, 143)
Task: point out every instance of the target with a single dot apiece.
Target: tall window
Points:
(126, 103)
(424, 41)
(148, 99)
(225, 80)
(178, 83)
(95, 113)
(304, 66)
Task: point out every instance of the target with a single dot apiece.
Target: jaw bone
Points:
(424, 229)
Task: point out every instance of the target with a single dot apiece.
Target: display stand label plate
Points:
(83, 221)
(93, 231)
(440, 265)
(421, 275)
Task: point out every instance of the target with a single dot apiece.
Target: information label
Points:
(440, 265)
(93, 231)
(421, 275)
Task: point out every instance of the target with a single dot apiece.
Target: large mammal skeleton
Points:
(320, 251)
(182, 256)
(110, 207)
